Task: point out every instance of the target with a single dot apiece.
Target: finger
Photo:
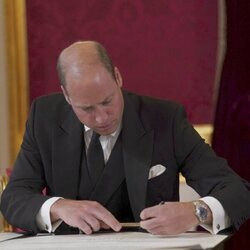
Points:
(92, 222)
(105, 216)
(150, 224)
(111, 222)
(103, 225)
(84, 227)
(149, 212)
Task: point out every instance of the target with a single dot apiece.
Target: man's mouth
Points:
(106, 126)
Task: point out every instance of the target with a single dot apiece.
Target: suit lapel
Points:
(137, 154)
(67, 145)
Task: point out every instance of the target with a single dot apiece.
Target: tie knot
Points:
(95, 136)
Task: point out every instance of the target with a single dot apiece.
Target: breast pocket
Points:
(163, 187)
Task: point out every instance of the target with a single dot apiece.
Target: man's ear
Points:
(118, 77)
(65, 95)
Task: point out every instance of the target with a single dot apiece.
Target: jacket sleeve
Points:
(22, 198)
(209, 174)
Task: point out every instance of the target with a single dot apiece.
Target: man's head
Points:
(92, 86)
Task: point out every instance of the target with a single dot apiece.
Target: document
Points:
(111, 241)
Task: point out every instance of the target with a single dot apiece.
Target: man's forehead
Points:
(94, 101)
(82, 71)
(80, 51)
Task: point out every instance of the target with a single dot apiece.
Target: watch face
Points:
(203, 213)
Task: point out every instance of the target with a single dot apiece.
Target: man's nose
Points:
(101, 116)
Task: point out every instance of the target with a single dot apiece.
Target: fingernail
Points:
(141, 224)
(118, 227)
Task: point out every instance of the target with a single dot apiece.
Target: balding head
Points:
(92, 86)
(81, 55)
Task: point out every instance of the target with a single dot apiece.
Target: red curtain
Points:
(162, 48)
(232, 121)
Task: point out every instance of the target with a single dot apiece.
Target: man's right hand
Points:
(88, 216)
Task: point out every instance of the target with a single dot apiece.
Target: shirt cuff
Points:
(220, 219)
(43, 216)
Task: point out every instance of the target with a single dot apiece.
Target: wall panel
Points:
(164, 48)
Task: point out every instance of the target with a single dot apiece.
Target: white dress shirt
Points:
(219, 216)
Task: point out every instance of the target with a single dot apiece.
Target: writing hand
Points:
(88, 216)
(169, 218)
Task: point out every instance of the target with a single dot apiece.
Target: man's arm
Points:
(171, 218)
(88, 216)
(22, 198)
(179, 217)
(207, 173)
(210, 176)
(43, 219)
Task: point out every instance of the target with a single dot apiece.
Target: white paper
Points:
(109, 241)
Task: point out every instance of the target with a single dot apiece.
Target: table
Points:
(111, 240)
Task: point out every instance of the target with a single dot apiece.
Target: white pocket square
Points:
(156, 171)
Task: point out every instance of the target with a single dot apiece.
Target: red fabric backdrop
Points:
(232, 122)
(163, 48)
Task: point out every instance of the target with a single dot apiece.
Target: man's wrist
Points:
(43, 217)
(54, 216)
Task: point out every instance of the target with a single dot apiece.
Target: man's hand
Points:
(88, 216)
(169, 218)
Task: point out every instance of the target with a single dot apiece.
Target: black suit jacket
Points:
(153, 132)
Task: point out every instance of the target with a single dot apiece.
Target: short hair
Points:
(104, 58)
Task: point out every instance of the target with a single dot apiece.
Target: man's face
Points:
(96, 98)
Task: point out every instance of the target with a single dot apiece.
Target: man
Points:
(144, 144)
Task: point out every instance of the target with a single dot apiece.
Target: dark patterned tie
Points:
(95, 158)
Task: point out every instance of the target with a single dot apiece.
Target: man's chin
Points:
(106, 130)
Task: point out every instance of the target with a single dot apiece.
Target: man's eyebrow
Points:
(87, 106)
(106, 99)
(83, 106)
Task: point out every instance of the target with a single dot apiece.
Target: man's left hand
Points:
(169, 218)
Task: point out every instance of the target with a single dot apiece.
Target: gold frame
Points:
(3, 183)
(206, 132)
(17, 71)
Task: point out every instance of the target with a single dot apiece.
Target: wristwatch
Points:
(201, 211)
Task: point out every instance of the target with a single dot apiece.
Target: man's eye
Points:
(106, 102)
(87, 109)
